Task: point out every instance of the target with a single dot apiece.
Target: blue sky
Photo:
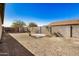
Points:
(40, 13)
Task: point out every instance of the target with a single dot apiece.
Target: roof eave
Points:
(2, 7)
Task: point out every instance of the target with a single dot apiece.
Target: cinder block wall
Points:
(42, 29)
(34, 29)
(45, 30)
(75, 31)
(63, 30)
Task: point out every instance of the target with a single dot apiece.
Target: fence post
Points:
(71, 30)
(50, 29)
(40, 29)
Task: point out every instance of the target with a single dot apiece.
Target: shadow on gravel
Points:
(11, 47)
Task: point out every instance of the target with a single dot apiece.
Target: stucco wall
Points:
(0, 28)
(64, 31)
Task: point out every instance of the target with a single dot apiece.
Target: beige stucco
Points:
(0, 27)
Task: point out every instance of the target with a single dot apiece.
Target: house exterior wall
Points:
(75, 31)
(64, 31)
(0, 28)
(1, 17)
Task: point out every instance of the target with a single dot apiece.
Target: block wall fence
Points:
(63, 31)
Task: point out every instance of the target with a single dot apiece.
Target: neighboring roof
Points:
(62, 23)
(2, 11)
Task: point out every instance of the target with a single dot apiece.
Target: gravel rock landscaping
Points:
(48, 46)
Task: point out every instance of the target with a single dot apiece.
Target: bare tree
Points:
(32, 24)
(18, 24)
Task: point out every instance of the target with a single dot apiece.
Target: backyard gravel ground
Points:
(48, 46)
